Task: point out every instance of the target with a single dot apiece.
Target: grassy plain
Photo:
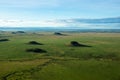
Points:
(61, 62)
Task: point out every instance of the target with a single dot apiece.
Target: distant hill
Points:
(103, 20)
(104, 23)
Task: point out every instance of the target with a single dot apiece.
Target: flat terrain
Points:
(62, 61)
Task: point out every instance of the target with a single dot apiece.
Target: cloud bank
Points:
(22, 23)
(107, 23)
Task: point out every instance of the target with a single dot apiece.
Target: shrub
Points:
(2, 40)
(77, 44)
(34, 43)
(36, 50)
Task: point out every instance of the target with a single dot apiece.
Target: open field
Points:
(101, 61)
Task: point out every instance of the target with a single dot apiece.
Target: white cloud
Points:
(20, 23)
(56, 23)
(50, 23)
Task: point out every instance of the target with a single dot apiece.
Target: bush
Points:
(57, 33)
(34, 43)
(2, 40)
(36, 50)
(77, 44)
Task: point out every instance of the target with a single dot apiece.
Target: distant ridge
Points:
(38, 29)
(103, 20)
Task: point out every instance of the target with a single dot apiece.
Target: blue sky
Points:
(58, 9)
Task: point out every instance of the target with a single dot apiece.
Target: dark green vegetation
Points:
(77, 44)
(34, 43)
(36, 50)
(58, 33)
(61, 61)
(2, 40)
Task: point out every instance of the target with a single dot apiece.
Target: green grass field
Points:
(62, 61)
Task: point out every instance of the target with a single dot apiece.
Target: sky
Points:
(36, 12)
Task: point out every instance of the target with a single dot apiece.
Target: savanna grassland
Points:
(61, 61)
